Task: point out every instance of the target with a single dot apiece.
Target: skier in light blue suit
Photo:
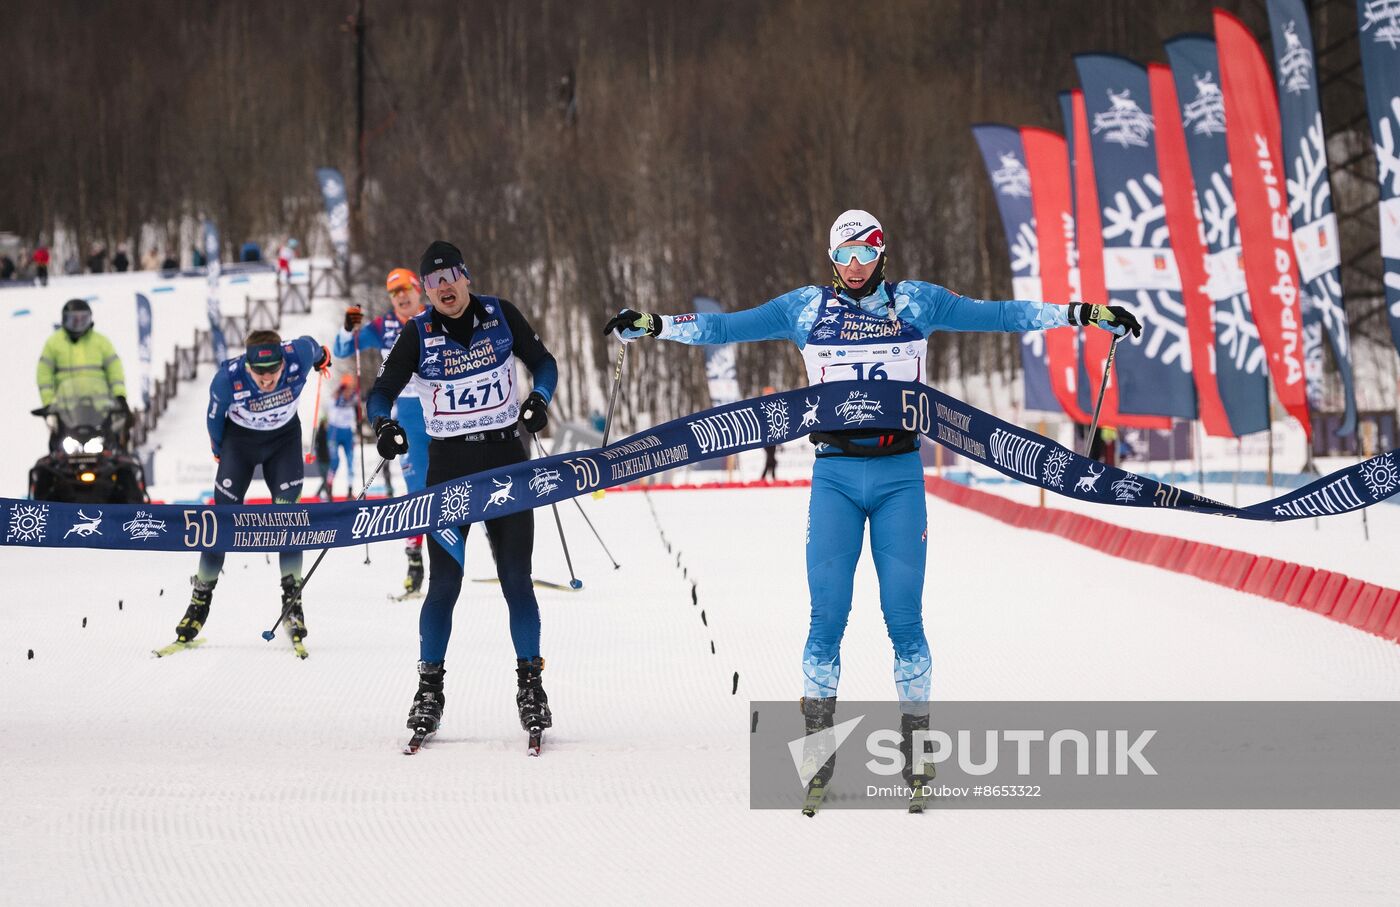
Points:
(406, 300)
(862, 327)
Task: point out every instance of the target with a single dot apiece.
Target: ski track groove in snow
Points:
(236, 774)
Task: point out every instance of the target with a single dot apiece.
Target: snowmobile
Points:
(88, 460)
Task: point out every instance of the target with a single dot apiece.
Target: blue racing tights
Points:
(846, 492)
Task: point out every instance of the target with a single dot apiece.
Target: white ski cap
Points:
(858, 225)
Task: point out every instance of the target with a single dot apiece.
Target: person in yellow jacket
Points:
(78, 362)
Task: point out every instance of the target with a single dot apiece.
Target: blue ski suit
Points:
(380, 334)
(249, 428)
(856, 478)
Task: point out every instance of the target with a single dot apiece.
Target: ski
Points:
(177, 647)
(417, 742)
(406, 596)
(536, 742)
(816, 792)
(539, 584)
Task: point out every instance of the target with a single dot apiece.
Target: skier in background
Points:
(461, 355)
(344, 417)
(406, 302)
(252, 420)
(876, 329)
(321, 451)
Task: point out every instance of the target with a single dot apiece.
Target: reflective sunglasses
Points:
(860, 254)
(443, 275)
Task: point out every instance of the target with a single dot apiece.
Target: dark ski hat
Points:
(441, 254)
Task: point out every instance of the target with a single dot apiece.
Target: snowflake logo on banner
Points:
(776, 414)
(1012, 178)
(1386, 14)
(1206, 114)
(456, 504)
(1025, 252)
(1238, 335)
(1381, 475)
(28, 523)
(1309, 189)
(1168, 342)
(1296, 64)
(1124, 121)
(1218, 212)
(1387, 161)
(1055, 466)
(1143, 219)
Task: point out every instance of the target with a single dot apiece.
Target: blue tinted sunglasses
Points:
(860, 254)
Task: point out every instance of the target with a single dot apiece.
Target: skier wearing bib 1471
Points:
(406, 301)
(864, 327)
(460, 355)
(253, 422)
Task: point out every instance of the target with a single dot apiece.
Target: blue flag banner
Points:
(1154, 371)
(721, 360)
(1315, 236)
(1378, 26)
(1004, 155)
(216, 320)
(337, 211)
(718, 432)
(1241, 367)
(143, 343)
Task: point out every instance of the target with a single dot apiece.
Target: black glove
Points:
(353, 316)
(390, 438)
(1112, 318)
(534, 415)
(631, 325)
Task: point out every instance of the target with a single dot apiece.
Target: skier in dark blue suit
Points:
(460, 355)
(253, 422)
(861, 327)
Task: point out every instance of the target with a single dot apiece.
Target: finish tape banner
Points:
(717, 432)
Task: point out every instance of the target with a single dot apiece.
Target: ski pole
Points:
(612, 398)
(1103, 386)
(315, 416)
(286, 609)
(574, 581)
(360, 428)
(583, 513)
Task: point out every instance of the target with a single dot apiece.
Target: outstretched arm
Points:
(931, 307)
(776, 319)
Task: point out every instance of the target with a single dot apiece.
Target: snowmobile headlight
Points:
(87, 476)
(71, 446)
(92, 446)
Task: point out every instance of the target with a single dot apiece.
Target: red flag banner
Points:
(1047, 159)
(1252, 134)
(1184, 224)
(1094, 343)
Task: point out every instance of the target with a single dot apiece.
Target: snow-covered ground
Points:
(237, 774)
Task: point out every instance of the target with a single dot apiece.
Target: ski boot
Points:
(818, 715)
(414, 581)
(919, 780)
(426, 713)
(197, 613)
(530, 697)
(295, 621)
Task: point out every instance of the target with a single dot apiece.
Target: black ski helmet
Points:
(77, 318)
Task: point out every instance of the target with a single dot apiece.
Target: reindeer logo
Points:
(87, 526)
(432, 359)
(1089, 482)
(501, 494)
(809, 415)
